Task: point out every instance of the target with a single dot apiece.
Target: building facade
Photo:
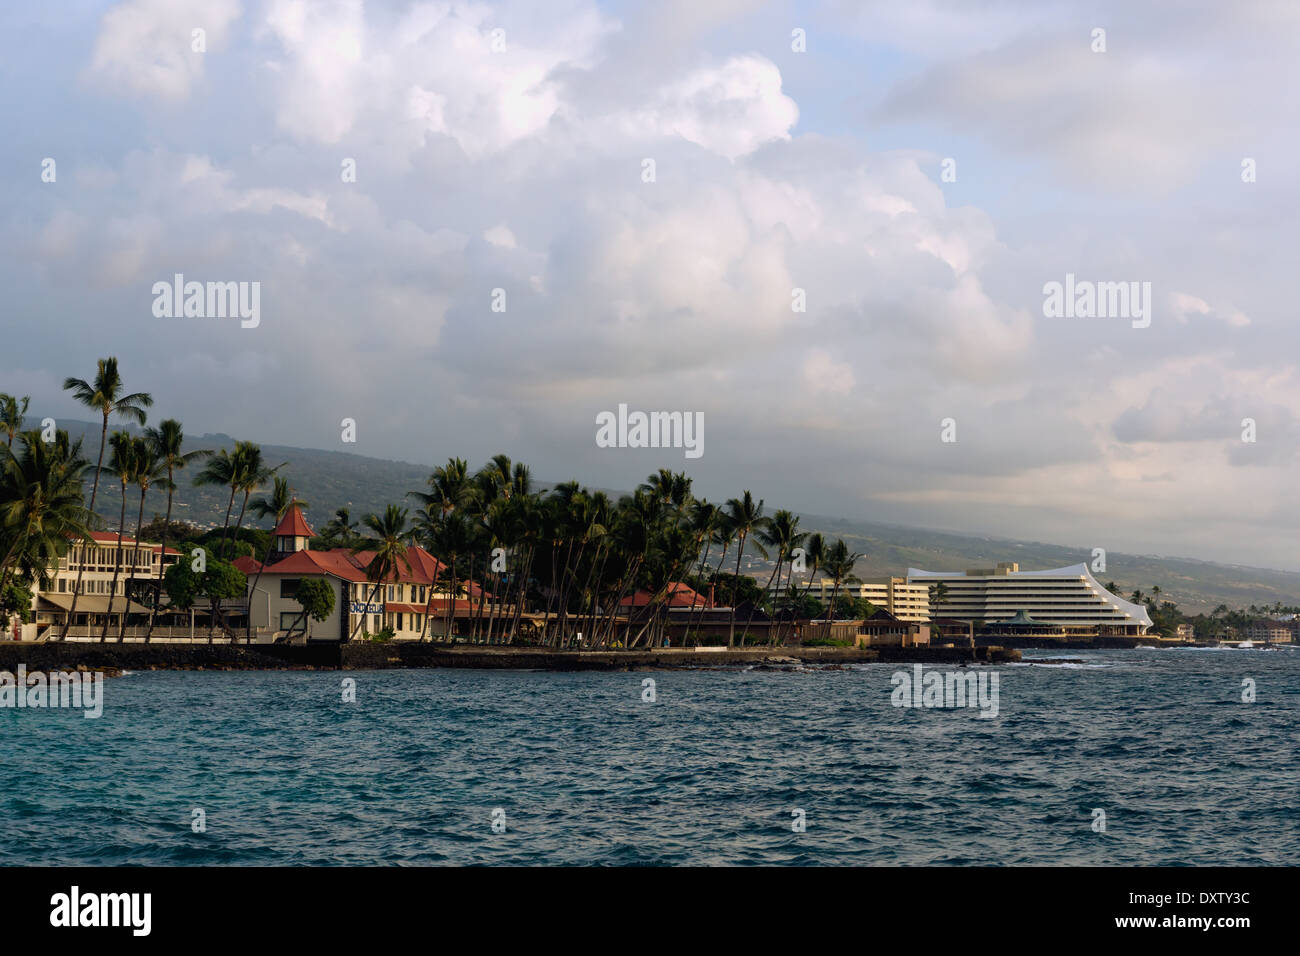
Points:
(1068, 597)
(902, 599)
(137, 564)
(410, 601)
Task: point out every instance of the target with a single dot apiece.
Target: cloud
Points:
(146, 47)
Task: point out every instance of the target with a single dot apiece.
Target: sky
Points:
(795, 146)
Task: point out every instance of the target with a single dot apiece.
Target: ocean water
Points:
(579, 769)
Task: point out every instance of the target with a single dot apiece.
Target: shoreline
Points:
(227, 657)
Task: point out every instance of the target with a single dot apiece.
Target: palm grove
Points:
(567, 553)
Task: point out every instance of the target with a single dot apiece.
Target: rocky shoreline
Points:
(227, 657)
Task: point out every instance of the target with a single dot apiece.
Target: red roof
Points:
(679, 595)
(247, 564)
(293, 524)
(336, 562)
(342, 563)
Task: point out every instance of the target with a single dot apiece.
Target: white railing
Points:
(162, 635)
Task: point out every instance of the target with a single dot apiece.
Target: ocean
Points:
(722, 767)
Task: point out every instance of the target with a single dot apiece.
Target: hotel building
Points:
(1069, 597)
(137, 565)
(904, 600)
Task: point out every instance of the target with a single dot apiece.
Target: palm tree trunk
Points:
(362, 617)
(162, 559)
(94, 490)
(451, 602)
(130, 579)
(735, 587)
(212, 618)
(117, 564)
(248, 633)
(750, 621)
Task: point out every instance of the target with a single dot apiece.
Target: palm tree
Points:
(275, 507)
(341, 528)
(839, 566)
(222, 470)
(815, 556)
(450, 488)
(705, 519)
(251, 474)
(105, 395)
(167, 440)
(744, 518)
(449, 536)
(389, 550)
(146, 469)
(781, 532)
(42, 505)
(122, 466)
(12, 411)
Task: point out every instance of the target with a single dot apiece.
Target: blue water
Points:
(588, 773)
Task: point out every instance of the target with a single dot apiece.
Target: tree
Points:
(938, 597)
(340, 531)
(221, 581)
(389, 551)
(275, 507)
(316, 597)
(814, 557)
(183, 585)
(42, 507)
(222, 470)
(744, 517)
(104, 395)
(15, 601)
(780, 532)
(146, 469)
(449, 537)
(251, 474)
(122, 466)
(451, 490)
(167, 440)
(839, 566)
(12, 411)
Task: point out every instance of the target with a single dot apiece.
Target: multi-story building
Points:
(401, 602)
(136, 563)
(905, 601)
(1069, 597)
(1268, 631)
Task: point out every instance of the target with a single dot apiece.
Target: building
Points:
(1267, 631)
(137, 565)
(1069, 597)
(410, 602)
(882, 629)
(904, 600)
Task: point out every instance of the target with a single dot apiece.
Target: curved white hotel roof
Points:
(1137, 612)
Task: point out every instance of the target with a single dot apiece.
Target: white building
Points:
(1068, 597)
(137, 566)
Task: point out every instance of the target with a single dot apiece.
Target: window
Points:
(399, 620)
(288, 619)
(288, 587)
(390, 592)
